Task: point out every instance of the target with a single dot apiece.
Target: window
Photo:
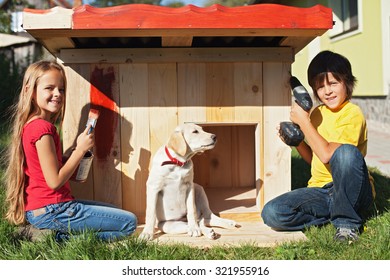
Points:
(16, 21)
(345, 16)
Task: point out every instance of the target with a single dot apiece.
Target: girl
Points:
(36, 179)
(339, 189)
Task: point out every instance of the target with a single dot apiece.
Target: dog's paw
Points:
(146, 236)
(194, 232)
(233, 224)
(212, 235)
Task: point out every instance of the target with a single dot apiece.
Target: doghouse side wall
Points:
(142, 103)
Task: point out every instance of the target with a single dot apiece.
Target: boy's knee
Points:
(345, 154)
(268, 214)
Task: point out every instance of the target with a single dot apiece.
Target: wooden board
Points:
(277, 155)
(162, 94)
(177, 55)
(249, 233)
(248, 92)
(234, 202)
(76, 115)
(135, 137)
(219, 92)
(107, 162)
(248, 83)
(191, 79)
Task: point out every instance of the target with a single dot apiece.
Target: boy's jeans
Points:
(339, 202)
(109, 222)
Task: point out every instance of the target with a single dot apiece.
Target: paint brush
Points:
(92, 119)
(81, 173)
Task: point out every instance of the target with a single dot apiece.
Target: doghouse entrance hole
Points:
(228, 172)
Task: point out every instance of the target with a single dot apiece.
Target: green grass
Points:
(373, 244)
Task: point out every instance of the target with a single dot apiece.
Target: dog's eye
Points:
(195, 131)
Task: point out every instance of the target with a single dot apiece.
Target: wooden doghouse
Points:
(149, 68)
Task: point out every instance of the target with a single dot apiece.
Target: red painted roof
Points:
(142, 16)
(142, 25)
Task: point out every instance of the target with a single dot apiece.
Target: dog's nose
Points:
(214, 137)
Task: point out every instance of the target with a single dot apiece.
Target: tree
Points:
(5, 22)
(10, 78)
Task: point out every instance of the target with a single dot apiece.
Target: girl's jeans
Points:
(68, 218)
(340, 202)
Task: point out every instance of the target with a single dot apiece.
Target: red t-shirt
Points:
(37, 192)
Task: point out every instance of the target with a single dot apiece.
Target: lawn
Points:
(373, 244)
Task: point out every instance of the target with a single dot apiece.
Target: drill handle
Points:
(301, 95)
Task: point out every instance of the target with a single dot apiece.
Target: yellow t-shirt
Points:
(347, 125)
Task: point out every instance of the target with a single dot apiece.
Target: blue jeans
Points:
(69, 218)
(340, 202)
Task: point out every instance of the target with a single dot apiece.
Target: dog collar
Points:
(172, 160)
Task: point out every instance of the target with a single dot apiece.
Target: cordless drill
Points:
(290, 132)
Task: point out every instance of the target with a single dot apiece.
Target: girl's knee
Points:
(131, 224)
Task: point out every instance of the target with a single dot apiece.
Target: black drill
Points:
(291, 133)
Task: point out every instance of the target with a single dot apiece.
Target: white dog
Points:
(178, 204)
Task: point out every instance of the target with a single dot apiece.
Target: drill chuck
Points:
(301, 95)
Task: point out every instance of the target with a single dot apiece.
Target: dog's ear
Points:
(178, 143)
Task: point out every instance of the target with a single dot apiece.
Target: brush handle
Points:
(93, 124)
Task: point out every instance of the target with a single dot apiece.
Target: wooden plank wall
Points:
(96, 86)
(276, 155)
(107, 163)
(76, 115)
(152, 98)
(135, 136)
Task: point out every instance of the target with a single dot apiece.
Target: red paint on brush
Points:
(102, 99)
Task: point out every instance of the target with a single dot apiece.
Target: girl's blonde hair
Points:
(22, 111)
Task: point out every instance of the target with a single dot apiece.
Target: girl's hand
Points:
(54, 174)
(85, 141)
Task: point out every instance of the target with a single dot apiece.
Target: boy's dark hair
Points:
(338, 65)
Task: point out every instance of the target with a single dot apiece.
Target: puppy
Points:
(173, 199)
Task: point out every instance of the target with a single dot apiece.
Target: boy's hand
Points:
(298, 115)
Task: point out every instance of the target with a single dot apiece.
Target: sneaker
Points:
(345, 234)
(31, 233)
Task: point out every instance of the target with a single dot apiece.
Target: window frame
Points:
(340, 30)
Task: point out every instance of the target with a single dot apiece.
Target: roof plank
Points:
(261, 16)
(188, 26)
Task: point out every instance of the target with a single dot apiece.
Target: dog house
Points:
(149, 68)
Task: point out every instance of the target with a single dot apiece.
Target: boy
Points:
(339, 189)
